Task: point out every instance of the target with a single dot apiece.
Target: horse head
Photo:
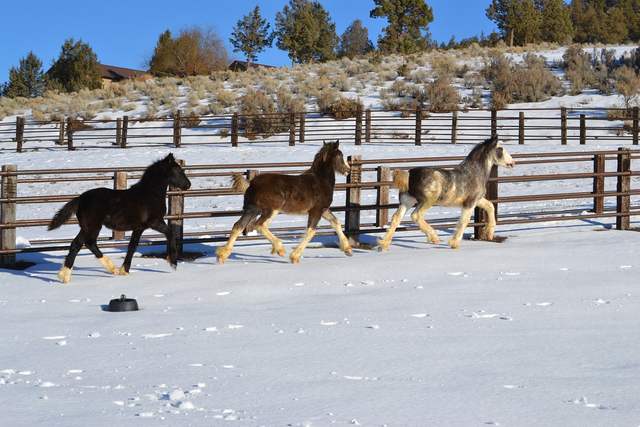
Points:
(501, 156)
(332, 157)
(175, 173)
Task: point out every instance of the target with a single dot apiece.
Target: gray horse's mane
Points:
(481, 151)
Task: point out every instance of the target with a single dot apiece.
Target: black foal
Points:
(140, 207)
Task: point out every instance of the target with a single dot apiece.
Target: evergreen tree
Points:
(251, 35)
(355, 40)
(408, 25)
(76, 68)
(556, 25)
(518, 20)
(163, 62)
(27, 80)
(305, 30)
(617, 26)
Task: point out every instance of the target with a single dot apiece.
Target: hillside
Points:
(389, 82)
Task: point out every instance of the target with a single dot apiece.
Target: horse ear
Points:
(170, 157)
(336, 144)
(492, 142)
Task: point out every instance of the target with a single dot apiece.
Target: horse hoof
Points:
(454, 244)
(435, 241)
(294, 259)
(280, 252)
(382, 246)
(348, 252)
(64, 275)
(122, 272)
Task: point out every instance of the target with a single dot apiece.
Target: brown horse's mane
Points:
(320, 160)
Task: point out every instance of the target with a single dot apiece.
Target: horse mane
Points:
(320, 159)
(480, 151)
(154, 172)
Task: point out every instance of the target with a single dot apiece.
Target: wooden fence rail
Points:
(418, 126)
(592, 167)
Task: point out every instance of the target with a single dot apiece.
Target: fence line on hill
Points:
(593, 168)
(363, 127)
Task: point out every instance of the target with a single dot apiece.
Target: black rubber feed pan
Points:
(123, 304)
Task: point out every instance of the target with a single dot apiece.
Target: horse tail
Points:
(64, 214)
(240, 183)
(401, 180)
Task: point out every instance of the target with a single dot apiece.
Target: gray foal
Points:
(464, 185)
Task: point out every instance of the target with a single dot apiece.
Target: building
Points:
(244, 65)
(111, 74)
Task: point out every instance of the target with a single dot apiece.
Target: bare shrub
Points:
(578, 69)
(443, 65)
(442, 96)
(258, 115)
(343, 108)
(286, 102)
(627, 84)
(533, 82)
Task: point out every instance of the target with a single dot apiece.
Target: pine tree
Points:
(27, 80)
(355, 40)
(617, 26)
(408, 25)
(163, 62)
(251, 35)
(305, 30)
(556, 25)
(76, 68)
(518, 20)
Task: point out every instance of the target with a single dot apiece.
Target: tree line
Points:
(305, 30)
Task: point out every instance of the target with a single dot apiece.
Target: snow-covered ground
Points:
(539, 330)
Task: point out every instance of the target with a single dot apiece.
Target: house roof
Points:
(119, 73)
(243, 65)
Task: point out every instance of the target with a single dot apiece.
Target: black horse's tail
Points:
(64, 214)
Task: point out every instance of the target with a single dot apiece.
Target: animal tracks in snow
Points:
(584, 402)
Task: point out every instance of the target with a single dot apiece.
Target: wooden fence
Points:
(591, 166)
(532, 125)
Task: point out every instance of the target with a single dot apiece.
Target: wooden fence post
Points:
(636, 115)
(367, 126)
(494, 123)
(583, 129)
(61, 132)
(352, 213)
(454, 126)
(176, 207)
(598, 182)
(563, 126)
(623, 202)
(70, 134)
(292, 128)
(234, 130)
(177, 128)
(382, 214)
(358, 134)
(19, 133)
(418, 140)
(479, 215)
(8, 189)
(124, 131)
(301, 131)
(521, 128)
(119, 183)
(119, 132)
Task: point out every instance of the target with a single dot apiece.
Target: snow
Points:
(539, 330)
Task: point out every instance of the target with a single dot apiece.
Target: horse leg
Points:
(312, 223)
(248, 215)
(406, 202)
(262, 225)
(418, 217)
(172, 248)
(133, 244)
(465, 217)
(92, 244)
(345, 246)
(65, 272)
(487, 206)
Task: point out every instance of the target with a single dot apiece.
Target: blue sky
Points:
(124, 33)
